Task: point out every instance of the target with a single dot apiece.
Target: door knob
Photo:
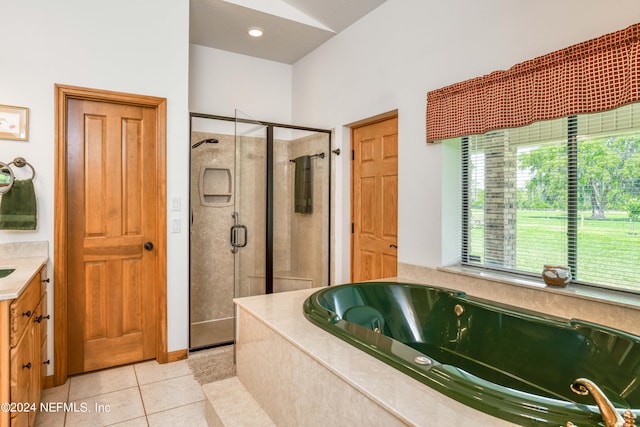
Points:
(392, 246)
(148, 245)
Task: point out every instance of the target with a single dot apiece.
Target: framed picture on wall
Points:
(14, 122)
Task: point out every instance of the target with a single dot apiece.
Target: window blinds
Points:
(561, 192)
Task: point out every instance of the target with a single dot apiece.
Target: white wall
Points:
(392, 57)
(120, 45)
(387, 60)
(221, 82)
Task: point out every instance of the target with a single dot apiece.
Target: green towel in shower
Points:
(302, 185)
(18, 207)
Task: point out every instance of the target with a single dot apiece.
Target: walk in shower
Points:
(260, 223)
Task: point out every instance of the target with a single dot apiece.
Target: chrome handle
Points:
(234, 237)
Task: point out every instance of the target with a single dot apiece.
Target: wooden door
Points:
(111, 227)
(374, 201)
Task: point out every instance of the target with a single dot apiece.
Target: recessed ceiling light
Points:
(255, 31)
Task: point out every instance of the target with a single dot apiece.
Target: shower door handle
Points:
(235, 233)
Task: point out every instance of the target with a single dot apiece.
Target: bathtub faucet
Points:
(609, 414)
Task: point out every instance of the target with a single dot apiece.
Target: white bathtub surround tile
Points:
(116, 407)
(101, 382)
(572, 302)
(294, 390)
(152, 371)
(167, 394)
(312, 378)
(192, 415)
(229, 403)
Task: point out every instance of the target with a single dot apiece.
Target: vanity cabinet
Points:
(23, 352)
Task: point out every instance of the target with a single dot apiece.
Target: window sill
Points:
(606, 296)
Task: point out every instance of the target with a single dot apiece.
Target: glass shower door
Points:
(260, 203)
(211, 263)
(248, 232)
(301, 168)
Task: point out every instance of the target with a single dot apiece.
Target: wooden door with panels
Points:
(374, 200)
(115, 240)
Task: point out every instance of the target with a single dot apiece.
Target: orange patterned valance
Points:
(596, 75)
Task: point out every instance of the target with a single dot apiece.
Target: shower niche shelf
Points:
(215, 187)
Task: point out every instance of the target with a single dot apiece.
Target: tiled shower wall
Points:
(211, 258)
(301, 243)
(303, 247)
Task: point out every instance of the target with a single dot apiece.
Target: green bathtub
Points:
(514, 364)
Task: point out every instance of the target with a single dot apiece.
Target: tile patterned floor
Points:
(146, 394)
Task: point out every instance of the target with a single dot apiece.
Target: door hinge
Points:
(353, 228)
(353, 154)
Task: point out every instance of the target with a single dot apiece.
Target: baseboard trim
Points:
(174, 356)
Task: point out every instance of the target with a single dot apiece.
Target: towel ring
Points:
(6, 178)
(20, 162)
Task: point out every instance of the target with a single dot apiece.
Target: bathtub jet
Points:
(514, 364)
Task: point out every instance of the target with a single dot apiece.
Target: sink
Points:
(4, 272)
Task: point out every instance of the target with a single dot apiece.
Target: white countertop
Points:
(25, 268)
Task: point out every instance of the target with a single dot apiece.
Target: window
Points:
(551, 161)
(560, 192)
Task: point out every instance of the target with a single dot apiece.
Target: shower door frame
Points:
(269, 216)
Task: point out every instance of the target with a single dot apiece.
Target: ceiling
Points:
(292, 28)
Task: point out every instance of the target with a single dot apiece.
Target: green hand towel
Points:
(18, 207)
(302, 185)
